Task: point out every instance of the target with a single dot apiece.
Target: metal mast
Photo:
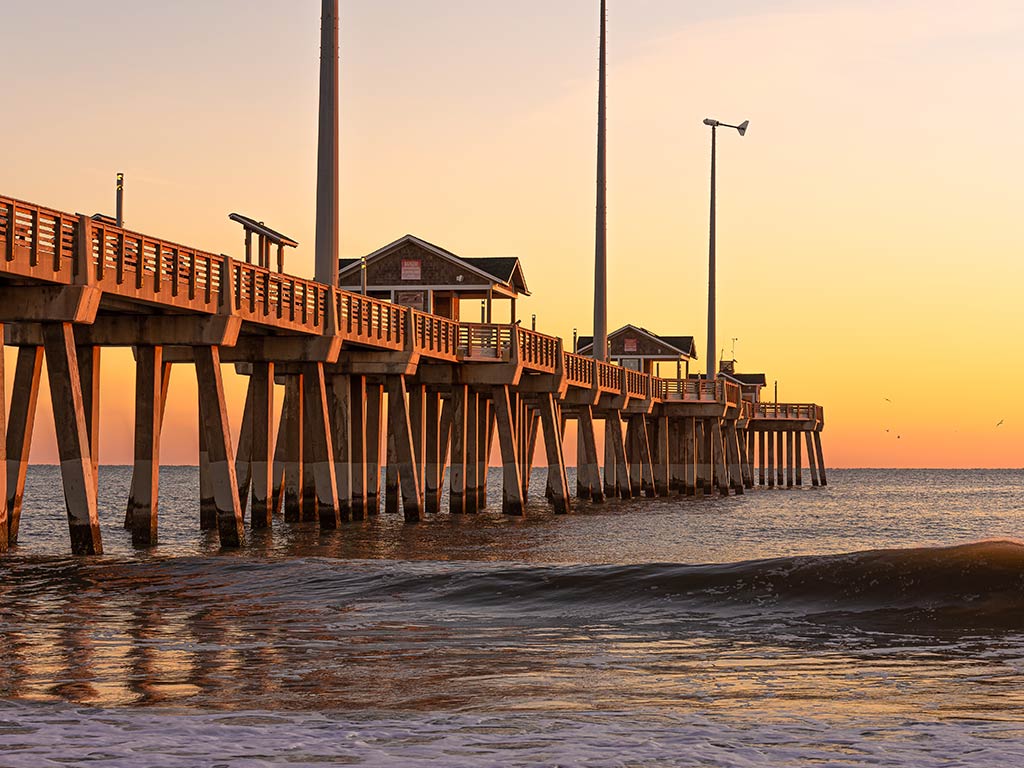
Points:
(327, 150)
(600, 347)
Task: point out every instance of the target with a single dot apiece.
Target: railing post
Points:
(82, 272)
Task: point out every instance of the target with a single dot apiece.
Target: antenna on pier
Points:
(600, 345)
(327, 150)
(119, 205)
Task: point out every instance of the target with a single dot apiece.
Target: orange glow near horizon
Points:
(868, 239)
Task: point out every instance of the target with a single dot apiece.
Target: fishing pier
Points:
(362, 378)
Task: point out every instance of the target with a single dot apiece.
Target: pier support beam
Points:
(218, 443)
(558, 481)
(789, 458)
(366, 409)
(512, 485)
(146, 475)
(432, 458)
(457, 478)
(611, 482)
(473, 449)
(243, 454)
(621, 467)
(24, 397)
(689, 457)
(591, 473)
(293, 417)
(821, 458)
(321, 446)
(761, 458)
(799, 460)
(261, 384)
(780, 458)
(401, 431)
(718, 451)
(811, 460)
(643, 438)
(662, 474)
(771, 459)
(732, 452)
(339, 401)
(72, 438)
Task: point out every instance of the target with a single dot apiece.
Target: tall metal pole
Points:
(711, 265)
(600, 347)
(327, 150)
(120, 200)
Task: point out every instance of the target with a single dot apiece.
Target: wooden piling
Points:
(780, 458)
(401, 430)
(621, 467)
(24, 398)
(762, 458)
(643, 439)
(261, 384)
(821, 458)
(89, 371)
(789, 458)
(611, 473)
(432, 448)
(145, 498)
(457, 476)
(243, 453)
(732, 452)
(365, 419)
(72, 438)
(811, 460)
(320, 450)
(309, 496)
(512, 486)
(294, 436)
(662, 473)
(218, 442)
(558, 480)
(689, 454)
(472, 451)
(771, 459)
(392, 485)
(798, 460)
(590, 467)
(718, 451)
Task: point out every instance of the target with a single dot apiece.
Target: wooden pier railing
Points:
(57, 247)
(788, 411)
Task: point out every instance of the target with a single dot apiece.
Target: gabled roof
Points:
(503, 269)
(684, 345)
(749, 380)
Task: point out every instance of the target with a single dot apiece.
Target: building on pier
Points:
(640, 350)
(750, 384)
(420, 275)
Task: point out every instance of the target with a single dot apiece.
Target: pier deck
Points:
(71, 285)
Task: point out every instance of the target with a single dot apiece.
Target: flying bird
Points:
(1000, 422)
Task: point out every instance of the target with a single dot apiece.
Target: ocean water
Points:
(878, 621)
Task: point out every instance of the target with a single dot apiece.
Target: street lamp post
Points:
(742, 129)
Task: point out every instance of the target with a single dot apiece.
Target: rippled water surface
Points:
(876, 621)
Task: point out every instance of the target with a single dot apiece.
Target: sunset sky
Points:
(871, 252)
